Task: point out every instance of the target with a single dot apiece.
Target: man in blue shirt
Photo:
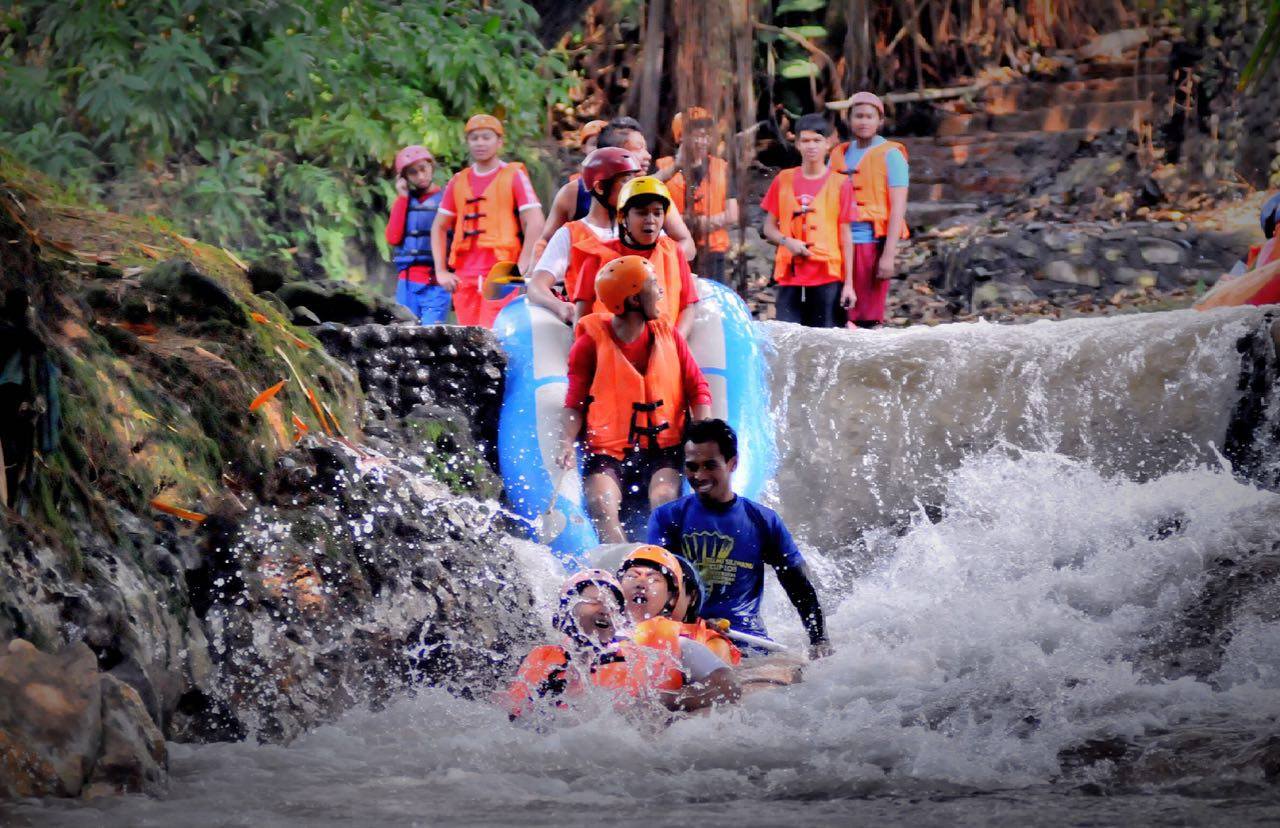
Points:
(730, 539)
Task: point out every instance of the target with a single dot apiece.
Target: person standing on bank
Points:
(880, 175)
(808, 213)
(730, 539)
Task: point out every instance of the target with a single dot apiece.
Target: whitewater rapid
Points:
(1002, 627)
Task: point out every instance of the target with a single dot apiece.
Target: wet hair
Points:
(813, 122)
(615, 132)
(713, 431)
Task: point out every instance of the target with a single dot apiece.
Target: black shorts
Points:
(817, 306)
(712, 266)
(632, 473)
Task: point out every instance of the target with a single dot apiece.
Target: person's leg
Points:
(787, 307)
(711, 266)
(434, 304)
(467, 300)
(603, 494)
(872, 292)
(489, 310)
(665, 476)
(823, 306)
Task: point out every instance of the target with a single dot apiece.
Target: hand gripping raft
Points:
(728, 348)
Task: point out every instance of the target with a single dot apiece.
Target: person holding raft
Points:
(730, 539)
(604, 172)
(651, 579)
(641, 380)
(643, 204)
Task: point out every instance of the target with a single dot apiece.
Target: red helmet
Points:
(411, 155)
(605, 163)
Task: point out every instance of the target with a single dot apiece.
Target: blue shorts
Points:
(430, 303)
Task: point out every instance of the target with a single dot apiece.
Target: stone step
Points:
(1019, 97)
(1093, 118)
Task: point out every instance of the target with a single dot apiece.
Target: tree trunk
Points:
(651, 72)
(857, 44)
(557, 17)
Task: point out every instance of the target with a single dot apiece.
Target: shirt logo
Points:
(710, 553)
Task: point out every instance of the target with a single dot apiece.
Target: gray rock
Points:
(1061, 270)
(1134, 276)
(133, 756)
(1161, 252)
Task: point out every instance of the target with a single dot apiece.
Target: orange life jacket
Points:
(819, 225)
(871, 185)
(584, 246)
(708, 200)
(648, 663)
(665, 258)
(626, 408)
(487, 221)
(716, 641)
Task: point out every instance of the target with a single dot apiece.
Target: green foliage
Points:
(1264, 54)
(268, 125)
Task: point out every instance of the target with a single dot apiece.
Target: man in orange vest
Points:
(604, 172)
(701, 189)
(573, 201)
(494, 215)
(642, 207)
(880, 176)
(808, 213)
(633, 380)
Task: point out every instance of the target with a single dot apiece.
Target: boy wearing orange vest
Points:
(605, 171)
(701, 189)
(494, 215)
(642, 208)
(880, 175)
(808, 213)
(640, 380)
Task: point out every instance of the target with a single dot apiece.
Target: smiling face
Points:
(596, 613)
(419, 174)
(646, 592)
(637, 146)
(483, 144)
(651, 296)
(698, 143)
(865, 121)
(709, 474)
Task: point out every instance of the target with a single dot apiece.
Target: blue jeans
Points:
(430, 303)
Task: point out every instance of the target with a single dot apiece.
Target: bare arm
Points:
(720, 688)
(847, 294)
(568, 454)
(685, 323)
(702, 412)
(730, 216)
(561, 210)
(679, 233)
(897, 218)
(539, 287)
(773, 234)
(531, 222)
(440, 250)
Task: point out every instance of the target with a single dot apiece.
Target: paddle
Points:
(753, 640)
(501, 280)
(553, 520)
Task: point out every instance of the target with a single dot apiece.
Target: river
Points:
(1014, 528)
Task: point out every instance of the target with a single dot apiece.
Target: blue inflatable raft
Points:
(726, 345)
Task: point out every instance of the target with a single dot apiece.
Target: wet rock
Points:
(1060, 270)
(192, 293)
(50, 719)
(1160, 252)
(133, 757)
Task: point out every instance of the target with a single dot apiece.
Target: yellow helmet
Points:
(645, 185)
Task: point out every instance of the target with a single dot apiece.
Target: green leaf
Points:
(798, 69)
(790, 6)
(811, 32)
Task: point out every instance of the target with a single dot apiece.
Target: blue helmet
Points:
(692, 584)
(1270, 215)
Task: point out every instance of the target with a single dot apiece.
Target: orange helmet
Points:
(655, 557)
(483, 121)
(693, 114)
(620, 279)
(591, 129)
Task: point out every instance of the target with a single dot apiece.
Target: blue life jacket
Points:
(583, 205)
(416, 247)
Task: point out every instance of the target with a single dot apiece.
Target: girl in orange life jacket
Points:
(701, 189)
(651, 589)
(568, 204)
(809, 210)
(495, 216)
(605, 171)
(880, 177)
(639, 378)
(642, 207)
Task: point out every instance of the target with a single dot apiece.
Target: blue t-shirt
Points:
(899, 176)
(730, 546)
